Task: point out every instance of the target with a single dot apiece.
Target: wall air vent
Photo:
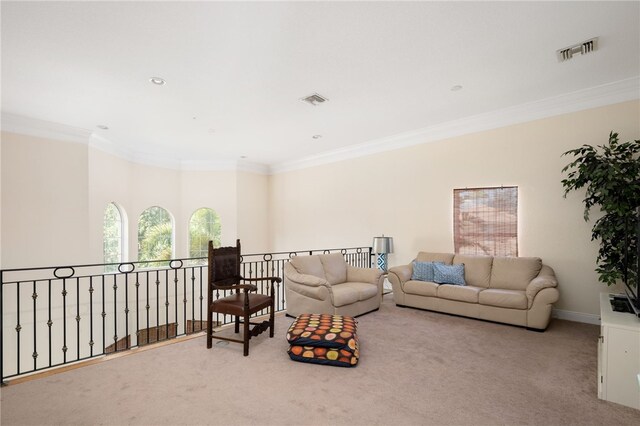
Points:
(314, 99)
(580, 48)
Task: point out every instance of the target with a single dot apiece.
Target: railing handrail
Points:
(183, 259)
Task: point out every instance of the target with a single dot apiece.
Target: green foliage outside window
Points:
(155, 237)
(203, 226)
(112, 237)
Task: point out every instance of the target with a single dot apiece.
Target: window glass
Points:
(112, 232)
(204, 225)
(155, 236)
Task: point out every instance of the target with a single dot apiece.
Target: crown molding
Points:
(14, 123)
(606, 94)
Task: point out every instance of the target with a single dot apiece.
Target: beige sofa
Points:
(326, 284)
(512, 290)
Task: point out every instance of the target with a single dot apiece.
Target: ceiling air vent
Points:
(314, 99)
(580, 48)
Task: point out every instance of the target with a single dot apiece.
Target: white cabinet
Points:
(618, 356)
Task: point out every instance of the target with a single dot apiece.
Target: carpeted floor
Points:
(416, 367)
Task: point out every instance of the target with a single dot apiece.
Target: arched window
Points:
(112, 236)
(155, 236)
(204, 225)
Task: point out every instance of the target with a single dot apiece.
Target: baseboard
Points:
(576, 316)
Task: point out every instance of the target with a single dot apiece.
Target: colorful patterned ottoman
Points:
(324, 339)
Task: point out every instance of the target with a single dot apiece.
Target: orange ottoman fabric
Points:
(324, 339)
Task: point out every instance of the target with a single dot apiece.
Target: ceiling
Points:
(235, 71)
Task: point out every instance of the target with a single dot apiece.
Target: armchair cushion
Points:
(363, 275)
(308, 265)
(335, 267)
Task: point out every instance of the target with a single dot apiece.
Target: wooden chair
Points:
(224, 274)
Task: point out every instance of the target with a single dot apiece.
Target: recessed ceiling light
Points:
(456, 88)
(243, 156)
(102, 126)
(316, 136)
(158, 81)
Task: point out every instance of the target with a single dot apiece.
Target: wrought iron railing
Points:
(52, 316)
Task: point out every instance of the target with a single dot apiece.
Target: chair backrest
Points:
(224, 265)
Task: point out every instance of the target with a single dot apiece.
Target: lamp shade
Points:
(382, 245)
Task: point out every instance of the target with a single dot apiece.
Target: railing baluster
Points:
(184, 300)
(157, 306)
(175, 294)
(166, 303)
(18, 326)
(115, 314)
(1, 328)
(49, 324)
(126, 310)
(103, 314)
(147, 307)
(34, 296)
(137, 308)
(77, 318)
(91, 316)
(64, 320)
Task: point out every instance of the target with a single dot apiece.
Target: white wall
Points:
(347, 203)
(54, 194)
(253, 212)
(44, 201)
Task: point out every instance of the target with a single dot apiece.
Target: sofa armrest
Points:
(402, 273)
(363, 275)
(546, 279)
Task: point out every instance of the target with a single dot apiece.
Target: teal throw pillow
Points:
(449, 274)
(423, 271)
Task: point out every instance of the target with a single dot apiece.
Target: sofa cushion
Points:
(424, 256)
(421, 288)
(448, 274)
(514, 299)
(477, 269)
(422, 271)
(310, 265)
(462, 293)
(514, 273)
(335, 267)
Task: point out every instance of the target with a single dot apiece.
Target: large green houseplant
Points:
(611, 175)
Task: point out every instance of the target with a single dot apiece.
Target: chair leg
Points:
(237, 325)
(272, 317)
(209, 329)
(246, 335)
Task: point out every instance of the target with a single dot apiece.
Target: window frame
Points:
(489, 224)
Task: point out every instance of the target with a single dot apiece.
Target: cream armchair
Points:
(326, 284)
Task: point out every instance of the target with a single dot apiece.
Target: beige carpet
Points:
(416, 367)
